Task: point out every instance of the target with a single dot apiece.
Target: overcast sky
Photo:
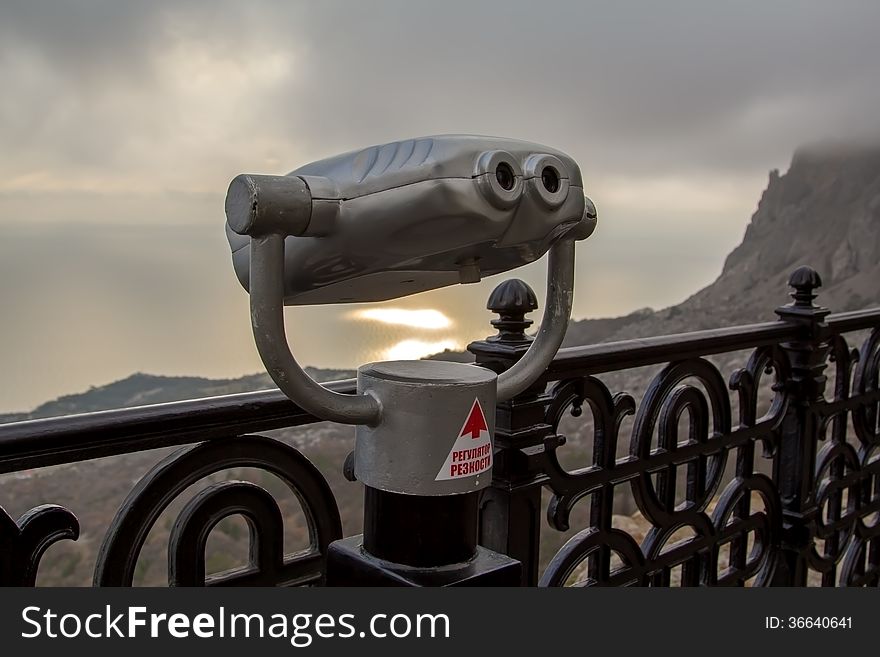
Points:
(121, 124)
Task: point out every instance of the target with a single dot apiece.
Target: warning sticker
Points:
(471, 453)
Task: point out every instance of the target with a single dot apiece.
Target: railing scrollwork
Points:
(118, 554)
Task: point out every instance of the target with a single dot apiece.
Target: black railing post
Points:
(510, 510)
(794, 469)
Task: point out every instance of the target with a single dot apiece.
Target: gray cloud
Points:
(628, 87)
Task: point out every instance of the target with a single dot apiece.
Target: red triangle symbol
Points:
(476, 422)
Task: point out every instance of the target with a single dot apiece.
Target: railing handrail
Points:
(69, 438)
(638, 352)
(854, 320)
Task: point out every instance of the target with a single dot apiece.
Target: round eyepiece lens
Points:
(550, 179)
(504, 176)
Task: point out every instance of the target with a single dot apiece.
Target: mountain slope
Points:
(824, 212)
(141, 389)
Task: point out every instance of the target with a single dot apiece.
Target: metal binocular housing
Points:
(390, 221)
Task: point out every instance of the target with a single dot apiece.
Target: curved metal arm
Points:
(560, 292)
(267, 320)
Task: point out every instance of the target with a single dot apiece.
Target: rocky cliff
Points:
(824, 212)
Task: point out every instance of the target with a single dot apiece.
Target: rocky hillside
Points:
(824, 212)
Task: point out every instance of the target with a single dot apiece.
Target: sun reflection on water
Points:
(403, 332)
(425, 318)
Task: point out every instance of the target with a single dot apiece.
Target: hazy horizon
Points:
(122, 124)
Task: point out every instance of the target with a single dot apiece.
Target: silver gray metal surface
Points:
(560, 293)
(267, 321)
(409, 216)
(436, 437)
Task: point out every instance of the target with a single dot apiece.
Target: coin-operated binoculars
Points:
(386, 222)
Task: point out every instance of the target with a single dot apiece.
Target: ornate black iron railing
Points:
(771, 477)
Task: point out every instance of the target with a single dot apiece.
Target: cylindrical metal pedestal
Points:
(435, 435)
(423, 467)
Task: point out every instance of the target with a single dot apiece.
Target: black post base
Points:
(348, 564)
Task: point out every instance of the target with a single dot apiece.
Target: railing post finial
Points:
(804, 281)
(511, 300)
